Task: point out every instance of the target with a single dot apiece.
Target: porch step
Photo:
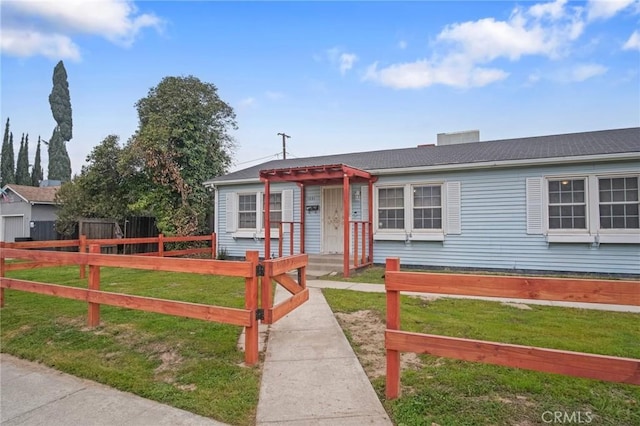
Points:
(320, 265)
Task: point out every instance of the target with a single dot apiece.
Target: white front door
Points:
(332, 220)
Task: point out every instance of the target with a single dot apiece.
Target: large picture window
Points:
(417, 211)
(592, 208)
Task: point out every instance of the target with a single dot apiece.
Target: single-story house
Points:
(25, 208)
(566, 203)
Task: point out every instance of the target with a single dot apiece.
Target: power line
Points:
(258, 159)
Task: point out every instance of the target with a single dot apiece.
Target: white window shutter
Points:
(535, 206)
(260, 211)
(287, 205)
(231, 212)
(453, 221)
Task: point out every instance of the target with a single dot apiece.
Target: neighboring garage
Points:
(27, 212)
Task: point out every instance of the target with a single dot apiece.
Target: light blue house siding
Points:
(237, 242)
(493, 223)
(494, 227)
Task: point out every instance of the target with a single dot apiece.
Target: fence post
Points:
(393, 323)
(94, 284)
(161, 245)
(83, 249)
(214, 249)
(266, 291)
(251, 333)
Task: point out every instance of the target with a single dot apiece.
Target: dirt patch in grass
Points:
(366, 330)
(17, 332)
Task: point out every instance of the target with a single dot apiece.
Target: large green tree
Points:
(7, 171)
(60, 101)
(101, 190)
(182, 140)
(22, 165)
(37, 174)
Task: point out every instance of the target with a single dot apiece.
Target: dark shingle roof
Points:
(594, 143)
(34, 194)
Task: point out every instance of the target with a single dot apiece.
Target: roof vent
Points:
(49, 182)
(455, 138)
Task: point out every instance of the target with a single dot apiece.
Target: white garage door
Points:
(12, 227)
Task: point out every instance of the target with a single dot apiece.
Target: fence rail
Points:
(95, 297)
(601, 367)
(83, 243)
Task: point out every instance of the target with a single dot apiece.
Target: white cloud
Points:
(247, 103)
(26, 43)
(115, 20)
(553, 10)
(274, 96)
(463, 51)
(633, 43)
(420, 74)
(337, 57)
(346, 62)
(586, 71)
(604, 9)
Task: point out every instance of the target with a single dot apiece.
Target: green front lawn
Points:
(450, 392)
(190, 364)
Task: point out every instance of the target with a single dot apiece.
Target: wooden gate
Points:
(278, 270)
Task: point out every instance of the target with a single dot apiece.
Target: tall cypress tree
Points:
(37, 173)
(7, 172)
(22, 165)
(60, 101)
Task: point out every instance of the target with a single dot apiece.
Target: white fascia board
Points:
(509, 163)
(231, 182)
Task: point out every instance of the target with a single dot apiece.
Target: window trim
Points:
(257, 232)
(409, 233)
(587, 212)
(239, 228)
(616, 234)
(593, 233)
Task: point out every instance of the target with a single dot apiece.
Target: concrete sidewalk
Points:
(34, 395)
(311, 376)
(379, 288)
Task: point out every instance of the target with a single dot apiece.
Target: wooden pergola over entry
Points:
(324, 175)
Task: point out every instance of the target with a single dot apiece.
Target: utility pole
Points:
(284, 144)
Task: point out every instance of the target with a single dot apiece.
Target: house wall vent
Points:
(458, 137)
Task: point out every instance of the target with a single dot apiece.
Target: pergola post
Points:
(346, 198)
(302, 213)
(370, 202)
(267, 220)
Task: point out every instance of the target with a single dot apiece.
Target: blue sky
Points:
(336, 76)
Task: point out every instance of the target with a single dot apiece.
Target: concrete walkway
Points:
(35, 395)
(379, 288)
(311, 376)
